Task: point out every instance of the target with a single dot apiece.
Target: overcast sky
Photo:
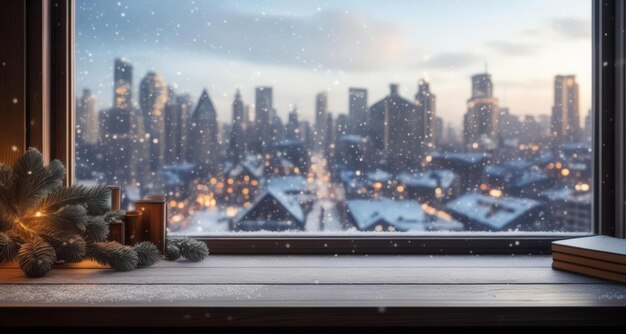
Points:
(304, 47)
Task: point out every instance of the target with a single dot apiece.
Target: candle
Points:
(134, 227)
(116, 198)
(117, 232)
(154, 218)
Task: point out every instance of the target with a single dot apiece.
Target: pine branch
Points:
(191, 249)
(36, 258)
(94, 199)
(172, 253)
(6, 173)
(28, 187)
(113, 254)
(114, 216)
(69, 249)
(147, 253)
(69, 219)
(8, 248)
(96, 229)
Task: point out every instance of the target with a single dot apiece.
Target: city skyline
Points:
(558, 41)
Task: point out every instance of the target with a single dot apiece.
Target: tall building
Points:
(439, 132)
(263, 111)
(565, 122)
(152, 99)
(397, 132)
(121, 132)
(321, 120)
(87, 118)
(177, 111)
(237, 142)
(122, 84)
(202, 143)
(481, 122)
(427, 104)
(357, 111)
(293, 126)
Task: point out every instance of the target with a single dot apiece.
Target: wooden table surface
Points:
(314, 290)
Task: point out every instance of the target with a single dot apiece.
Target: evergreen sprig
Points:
(42, 222)
(191, 249)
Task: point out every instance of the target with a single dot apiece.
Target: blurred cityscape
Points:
(390, 165)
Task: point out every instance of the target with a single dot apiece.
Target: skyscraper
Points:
(121, 132)
(357, 111)
(427, 104)
(481, 121)
(122, 84)
(565, 122)
(177, 111)
(87, 118)
(152, 99)
(202, 145)
(397, 131)
(263, 110)
(237, 142)
(321, 120)
(293, 126)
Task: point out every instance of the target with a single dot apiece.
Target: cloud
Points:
(511, 49)
(324, 39)
(573, 28)
(453, 60)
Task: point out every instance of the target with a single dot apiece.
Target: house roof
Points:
(429, 179)
(495, 213)
(288, 202)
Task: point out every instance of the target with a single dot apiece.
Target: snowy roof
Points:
(378, 175)
(528, 178)
(355, 139)
(555, 194)
(496, 213)
(403, 215)
(429, 179)
(287, 184)
(470, 158)
(289, 203)
(250, 164)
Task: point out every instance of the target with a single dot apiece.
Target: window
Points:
(344, 117)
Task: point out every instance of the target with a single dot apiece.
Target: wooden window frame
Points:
(54, 125)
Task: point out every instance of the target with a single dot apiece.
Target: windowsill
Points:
(314, 290)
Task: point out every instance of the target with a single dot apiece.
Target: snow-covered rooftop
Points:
(288, 202)
(429, 179)
(496, 213)
(287, 184)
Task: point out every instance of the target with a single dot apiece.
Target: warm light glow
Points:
(213, 181)
(254, 183)
(38, 214)
(497, 193)
(173, 204)
(246, 178)
(475, 145)
(231, 211)
(484, 186)
(230, 181)
(229, 190)
(565, 172)
(535, 148)
(296, 170)
(400, 188)
(377, 185)
(177, 218)
(429, 158)
(181, 205)
(438, 192)
(558, 165)
(245, 191)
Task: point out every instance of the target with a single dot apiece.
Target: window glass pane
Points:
(340, 116)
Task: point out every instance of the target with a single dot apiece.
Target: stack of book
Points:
(598, 256)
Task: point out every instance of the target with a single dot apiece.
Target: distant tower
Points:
(152, 99)
(177, 111)
(565, 121)
(87, 118)
(293, 125)
(122, 84)
(357, 112)
(427, 104)
(237, 142)
(482, 118)
(263, 110)
(202, 144)
(121, 132)
(321, 120)
(397, 132)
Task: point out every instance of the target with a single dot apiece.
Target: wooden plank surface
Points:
(297, 290)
